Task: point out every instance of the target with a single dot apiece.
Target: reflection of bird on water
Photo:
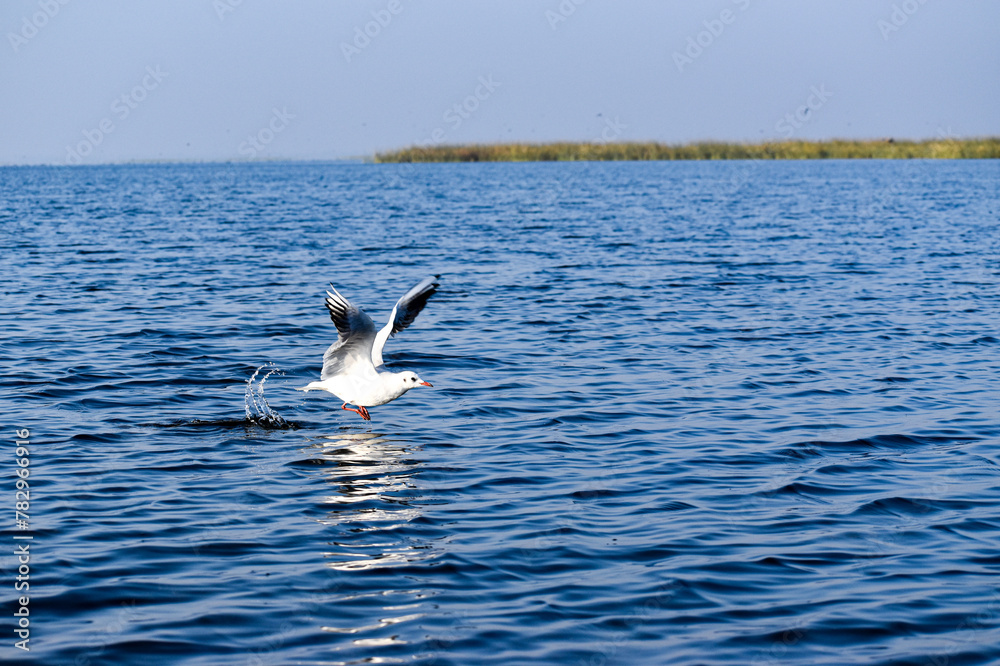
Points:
(371, 500)
(352, 367)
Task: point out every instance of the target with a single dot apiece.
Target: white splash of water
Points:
(257, 408)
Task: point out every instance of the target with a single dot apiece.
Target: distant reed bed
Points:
(987, 148)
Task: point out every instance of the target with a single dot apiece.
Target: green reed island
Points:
(986, 148)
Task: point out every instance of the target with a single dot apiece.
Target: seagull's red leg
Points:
(360, 411)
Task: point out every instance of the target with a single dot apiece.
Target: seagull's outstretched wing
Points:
(406, 310)
(352, 352)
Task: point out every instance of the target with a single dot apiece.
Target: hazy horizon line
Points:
(372, 158)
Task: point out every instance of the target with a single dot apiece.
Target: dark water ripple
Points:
(729, 413)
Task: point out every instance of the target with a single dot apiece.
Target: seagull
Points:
(352, 367)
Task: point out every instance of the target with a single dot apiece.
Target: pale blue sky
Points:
(123, 80)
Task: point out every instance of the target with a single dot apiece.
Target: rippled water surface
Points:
(683, 413)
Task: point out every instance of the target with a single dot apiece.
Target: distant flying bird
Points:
(352, 367)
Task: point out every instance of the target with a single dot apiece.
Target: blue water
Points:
(683, 413)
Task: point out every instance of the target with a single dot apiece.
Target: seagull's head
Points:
(411, 380)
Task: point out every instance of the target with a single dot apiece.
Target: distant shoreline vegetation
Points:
(987, 148)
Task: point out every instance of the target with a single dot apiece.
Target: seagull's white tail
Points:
(311, 386)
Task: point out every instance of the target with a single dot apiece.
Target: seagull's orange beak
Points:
(426, 384)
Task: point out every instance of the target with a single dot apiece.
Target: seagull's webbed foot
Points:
(360, 411)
